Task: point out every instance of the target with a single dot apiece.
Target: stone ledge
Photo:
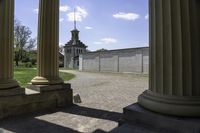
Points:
(12, 91)
(135, 114)
(45, 88)
(19, 104)
(127, 128)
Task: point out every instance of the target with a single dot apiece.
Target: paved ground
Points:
(103, 96)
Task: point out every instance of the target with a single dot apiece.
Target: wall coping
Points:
(115, 50)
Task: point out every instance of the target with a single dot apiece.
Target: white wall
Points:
(135, 60)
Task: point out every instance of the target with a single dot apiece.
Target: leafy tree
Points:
(101, 50)
(33, 56)
(61, 48)
(31, 44)
(22, 36)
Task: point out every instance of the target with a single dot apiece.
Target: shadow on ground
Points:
(30, 124)
(94, 113)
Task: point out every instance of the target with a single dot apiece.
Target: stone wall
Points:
(135, 60)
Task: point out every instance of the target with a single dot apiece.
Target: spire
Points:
(74, 18)
(75, 32)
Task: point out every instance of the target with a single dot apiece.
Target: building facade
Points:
(73, 49)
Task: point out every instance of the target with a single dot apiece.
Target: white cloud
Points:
(97, 43)
(88, 28)
(61, 44)
(126, 16)
(107, 40)
(61, 19)
(81, 10)
(81, 13)
(147, 16)
(64, 8)
(36, 10)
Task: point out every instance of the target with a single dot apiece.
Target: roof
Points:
(76, 43)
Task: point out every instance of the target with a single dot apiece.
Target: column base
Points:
(4, 84)
(46, 81)
(188, 106)
(142, 119)
(45, 88)
(10, 88)
(12, 91)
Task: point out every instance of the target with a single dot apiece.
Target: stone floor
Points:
(103, 97)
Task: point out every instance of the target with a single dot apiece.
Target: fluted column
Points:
(174, 84)
(48, 41)
(6, 44)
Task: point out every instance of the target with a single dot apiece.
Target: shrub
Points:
(25, 59)
(28, 64)
(33, 61)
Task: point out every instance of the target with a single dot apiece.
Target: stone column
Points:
(48, 41)
(8, 86)
(174, 86)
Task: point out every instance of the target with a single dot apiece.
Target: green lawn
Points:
(25, 75)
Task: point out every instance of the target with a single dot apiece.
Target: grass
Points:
(25, 75)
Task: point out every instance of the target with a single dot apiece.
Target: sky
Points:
(108, 24)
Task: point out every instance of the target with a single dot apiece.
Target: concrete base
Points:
(19, 104)
(128, 128)
(45, 88)
(12, 91)
(137, 115)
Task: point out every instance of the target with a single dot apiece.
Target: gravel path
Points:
(103, 97)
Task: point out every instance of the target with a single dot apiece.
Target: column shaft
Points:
(6, 44)
(174, 58)
(48, 41)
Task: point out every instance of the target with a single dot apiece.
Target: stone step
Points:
(131, 128)
(140, 116)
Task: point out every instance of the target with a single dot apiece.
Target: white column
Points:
(6, 44)
(48, 42)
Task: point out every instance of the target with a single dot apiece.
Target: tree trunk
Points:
(16, 62)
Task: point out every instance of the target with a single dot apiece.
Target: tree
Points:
(31, 44)
(33, 56)
(61, 48)
(22, 36)
(99, 50)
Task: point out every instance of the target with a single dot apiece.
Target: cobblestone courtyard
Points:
(103, 97)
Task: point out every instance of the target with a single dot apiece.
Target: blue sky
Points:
(109, 24)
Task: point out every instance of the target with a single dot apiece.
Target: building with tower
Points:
(73, 49)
